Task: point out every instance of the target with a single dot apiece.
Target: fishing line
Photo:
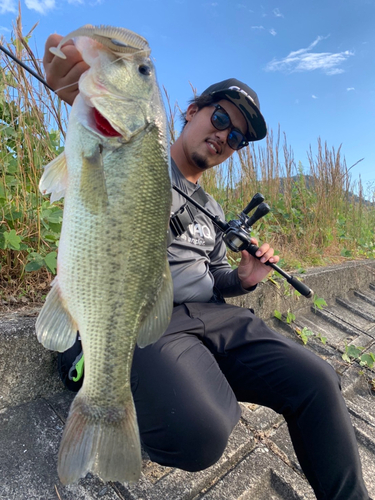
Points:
(66, 86)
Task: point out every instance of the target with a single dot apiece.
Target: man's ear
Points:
(191, 111)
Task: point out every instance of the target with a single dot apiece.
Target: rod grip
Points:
(300, 287)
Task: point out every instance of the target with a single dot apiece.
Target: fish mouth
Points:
(103, 125)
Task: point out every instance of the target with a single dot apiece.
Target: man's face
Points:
(203, 144)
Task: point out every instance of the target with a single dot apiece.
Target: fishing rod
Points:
(24, 66)
(236, 233)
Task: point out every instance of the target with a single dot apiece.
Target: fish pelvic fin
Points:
(55, 327)
(102, 441)
(160, 315)
(55, 178)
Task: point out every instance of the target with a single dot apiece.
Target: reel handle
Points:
(260, 212)
(255, 201)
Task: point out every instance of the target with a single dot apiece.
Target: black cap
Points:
(246, 100)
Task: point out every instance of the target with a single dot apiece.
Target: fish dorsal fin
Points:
(55, 178)
(160, 315)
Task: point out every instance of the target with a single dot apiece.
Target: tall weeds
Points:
(32, 132)
(315, 216)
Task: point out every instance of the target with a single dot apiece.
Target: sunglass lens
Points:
(235, 139)
(220, 120)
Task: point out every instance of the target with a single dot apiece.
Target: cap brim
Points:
(257, 128)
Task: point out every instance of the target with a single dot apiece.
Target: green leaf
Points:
(12, 240)
(277, 314)
(319, 302)
(51, 261)
(14, 215)
(322, 339)
(56, 216)
(290, 317)
(368, 359)
(36, 262)
(353, 351)
(306, 331)
(33, 266)
(346, 358)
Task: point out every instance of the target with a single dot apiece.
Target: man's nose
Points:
(222, 135)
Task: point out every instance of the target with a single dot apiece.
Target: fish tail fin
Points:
(104, 442)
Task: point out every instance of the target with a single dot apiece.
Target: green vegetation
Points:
(353, 352)
(314, 220)
(305, 333)
(31, 129)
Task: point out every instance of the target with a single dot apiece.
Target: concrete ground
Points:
(259, 462)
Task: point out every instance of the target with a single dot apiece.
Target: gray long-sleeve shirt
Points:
(197, 258)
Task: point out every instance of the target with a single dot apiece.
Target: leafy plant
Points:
(32, 134)
(319, 303)
(355, 353)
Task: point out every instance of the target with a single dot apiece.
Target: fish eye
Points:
(144, 70)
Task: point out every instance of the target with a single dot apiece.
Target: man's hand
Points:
(63, 73)
(251, 270)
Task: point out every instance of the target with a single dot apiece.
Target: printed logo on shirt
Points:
(200, 231)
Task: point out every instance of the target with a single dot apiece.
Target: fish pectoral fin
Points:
(157, 321)
(55, 327)
(102, 441)
(93, 189)
(55, 178)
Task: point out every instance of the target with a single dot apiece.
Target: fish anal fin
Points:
(104, 442)
(157, 321)
(55, 327)
(55, 178)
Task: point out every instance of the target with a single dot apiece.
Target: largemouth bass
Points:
(113, 281)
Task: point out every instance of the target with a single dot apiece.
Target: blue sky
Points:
(311, 63)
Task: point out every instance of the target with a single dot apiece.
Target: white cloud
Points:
(306, 60)
(3, 28)
(277, 12)
(7, 6)
(41, 6)
(257, 27)
(314, 96)
(350, 88)
(273, 32)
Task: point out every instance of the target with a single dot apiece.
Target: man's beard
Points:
(200, 161)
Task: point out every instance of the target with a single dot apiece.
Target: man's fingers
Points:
(52, 41)
(63, 73)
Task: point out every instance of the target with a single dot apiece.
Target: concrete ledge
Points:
(27, 369)
(326, 282)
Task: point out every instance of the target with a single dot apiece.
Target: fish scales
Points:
(113, 282)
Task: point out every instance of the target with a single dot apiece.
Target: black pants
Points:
(186, 387)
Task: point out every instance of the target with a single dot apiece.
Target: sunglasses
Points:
(221, 121)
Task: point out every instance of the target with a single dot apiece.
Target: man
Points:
(187, 385)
